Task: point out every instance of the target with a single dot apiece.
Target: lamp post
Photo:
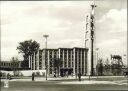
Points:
(97, 49)
(46, 63)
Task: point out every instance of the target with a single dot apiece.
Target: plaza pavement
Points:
(84, 80)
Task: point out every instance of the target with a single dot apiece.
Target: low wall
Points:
(26, 72)
(29, 72)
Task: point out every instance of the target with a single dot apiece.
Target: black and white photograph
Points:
(63, 45)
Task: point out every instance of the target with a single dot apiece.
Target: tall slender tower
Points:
(90, 38)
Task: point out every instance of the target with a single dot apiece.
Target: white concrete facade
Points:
(74, 58)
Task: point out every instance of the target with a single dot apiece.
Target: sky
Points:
(64, 22)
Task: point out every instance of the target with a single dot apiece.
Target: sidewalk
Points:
(96, 82)
(74, 80)
(42, 79)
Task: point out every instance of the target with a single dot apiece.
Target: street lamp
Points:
(97, 49)
(46, 64)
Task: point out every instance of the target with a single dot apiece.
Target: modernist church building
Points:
(77, 60)
(73, 60)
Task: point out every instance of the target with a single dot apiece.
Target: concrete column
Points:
(78, 61)
(67, 58)
(59, 53)
(63, 58)
(84, 62)
(59, 58)
(48, 64)
(38, 59)
(81, 61)
(71, 58)
(53, 56)
(29, 60)
(43, 60)
(34, 61)
(74, 59)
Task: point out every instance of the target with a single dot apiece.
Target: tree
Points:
(116, 64)
(107, 67)
(15, 65)
(56, 63)
(27, 47)
(100, 67)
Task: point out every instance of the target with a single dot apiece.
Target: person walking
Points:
(79, 76)
(33, 76)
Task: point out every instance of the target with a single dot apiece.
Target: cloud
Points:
(117, 19)
(66, 43)
(113, 24)
(103, 6)
(112, 32)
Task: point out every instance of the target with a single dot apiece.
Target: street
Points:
(109, 83)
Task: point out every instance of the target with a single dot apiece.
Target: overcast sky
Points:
(64, 21)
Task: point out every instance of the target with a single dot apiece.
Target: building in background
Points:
(9, 65)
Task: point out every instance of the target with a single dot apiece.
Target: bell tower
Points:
(90, 38)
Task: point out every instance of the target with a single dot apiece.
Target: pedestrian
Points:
(79, 76)
(33, 75)
(6, 82)
(54, 74)
(67, 73)
(8, 76)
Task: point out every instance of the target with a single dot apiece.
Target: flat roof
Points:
(64, 48)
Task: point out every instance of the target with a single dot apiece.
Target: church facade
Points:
(73, 60)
